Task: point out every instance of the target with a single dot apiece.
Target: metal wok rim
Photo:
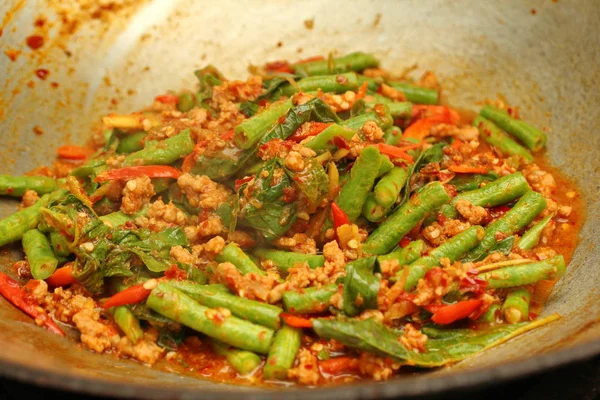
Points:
(424, 385)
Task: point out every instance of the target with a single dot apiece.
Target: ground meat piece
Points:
(250, 286)
(94, 334)
(339, 102)
(548, 232)
(242, 238)
(392, 93)
(299, 243)
(540, 181)
(145, 350)
(376, 367)
(209, 227)
(334, 255)
(432, 287)
(375, 73)
(37, 288)
(294, 161)
(214, 245)
(202, 192)
(542, 253)
(372, 131)
(413, 339)
(29, 199)
(182, 255)
(306, 371)
(474, 214)
(136, 194)
(115, 161)
(301, 98)
(437, 233)
(161, 216)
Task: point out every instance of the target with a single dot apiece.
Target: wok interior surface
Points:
(540, 55)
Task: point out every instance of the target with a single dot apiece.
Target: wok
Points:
(115, 56)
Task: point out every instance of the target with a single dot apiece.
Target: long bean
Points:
(41, 258)
(491, 315)
(360, 283)
(387, 235)
(282, 355)
(525, 210)
(17, 185)
(388, 188)
(358, 121)
(530, 136)
(338, 83)
(354, 193)
(385, 166)
(452, 249)
(284, 260)
(131, 143)
(393, 136)
(15, 225)
(242, 361)
(417, 94)
(128, 323)
(525, 274)
(60, 244)
(494, 136)
(250, 131)
(163, 152)
(233, 254)
(254, 311)
(516, 306)
(405, 255)
(324, 140)
(174, 304)
(356, 61)
(531, 238)
(372, 211)
(311, 300)
(398, 109)
(501, 191)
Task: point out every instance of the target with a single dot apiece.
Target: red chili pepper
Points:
(405, 241)
(296, 321)
(240, 182)
(421, 128)
(167, 98)
(341, 143)
(228, 135)
(499, 211)
(420, 111)
(279, 66)
(69, 152)
(339, 216)
(61, 277)
(175, 273)
(394, 152)
(454, 312)
(465, 169)
(339, 365)
(308, 129)
(362, 91)
(10, 289)
(456, 144)
(189, 162)
(151, 171)
(310, 59)
(132, 295)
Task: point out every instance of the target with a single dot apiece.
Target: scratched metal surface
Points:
(99, 61)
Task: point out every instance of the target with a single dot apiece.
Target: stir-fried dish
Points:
(322, 221)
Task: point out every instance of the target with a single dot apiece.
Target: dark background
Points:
(579, 381)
